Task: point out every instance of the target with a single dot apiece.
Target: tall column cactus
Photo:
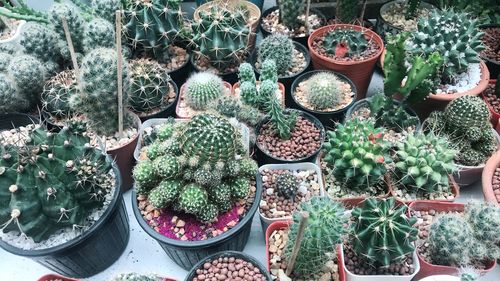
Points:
(290, 10)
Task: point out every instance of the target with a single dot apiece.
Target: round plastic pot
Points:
(181, 100)
(229, 77)
(487, 178)
(236, 254)
(16, 120)
(265, 222)
(428, 269)
(493, 65)
(55, 277)
(187, 253)
(287, 81)
(455, 190)
(180, 74)
(280, 86)
(327, 118)
(263, 157)
(360, 72)
(168, 111)
(494, 115)
(16, 35)
(441, 278)
(93, 251)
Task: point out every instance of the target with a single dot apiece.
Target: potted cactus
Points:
(491, 178)
(175, 199)
(140, 277)
(348, 49)
(63, 202)
(381, 240)
(490, 53)
(465, 121)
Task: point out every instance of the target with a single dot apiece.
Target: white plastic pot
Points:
(16, 35)
(349, 276)
(440, 278)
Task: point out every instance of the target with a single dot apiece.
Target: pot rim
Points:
(487, 178)
(274, 8)
(181, 95)
(386, 5)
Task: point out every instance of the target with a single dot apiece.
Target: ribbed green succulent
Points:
(346, 11)
(279, 48)
(287, 185)
(325, 229)
(165, 193)
(98, 33)
(382, 231)
(57, 93)
(202, 89)
(193, 198)
(344, 42)
(290, 10)
(323, 90)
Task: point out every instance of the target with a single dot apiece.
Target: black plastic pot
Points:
(180, 75)
(228, 254)
(301, 40)
(92, 252)
(264, 157)
(230, 77)
(187, 253)
(15, 120)
(168, 111)
(493, 65)
(287, 81)
(328, 119)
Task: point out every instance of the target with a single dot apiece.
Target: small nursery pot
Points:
(16, 120)
(428, 269)
(327, 118)
(280, 86)
(238, 255)
(455, 190)
(360, 72)
(93, 251)
(263, 157)
(229, 77)
(188, 253)
(487, 179)
(165, 112)
(180, 100)
(494, 115)
(180, 74)
(493, 65)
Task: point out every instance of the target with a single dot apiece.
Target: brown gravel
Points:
(491, 40)
(346, 97)
(178, 56)
(372, 49)
(229, 268)
(491, 98)
(395, 15)
(203, 64)
(184, 111)
(305, 140)
(496, 184)
(271, 23)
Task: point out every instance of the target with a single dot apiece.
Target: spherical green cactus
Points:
(382, 231)
(323, 90)
(248, 167)
(58, 188)
(57, 93)
(228, 105)
(324, 230)
(40, 41)
(166, 166)
(193, 198)
(279, 48)
(287, 185)
(209, 178)
(343, 42)
(106, 8)
(145, 176)
(98, 33)
(165, 193)
(220, 195)
(240, 188)
(209, 213)
(29, 75)
(10, 100)
(203, 88)
(75, 21)
(290, 10)
(5, 59)
(485, 221)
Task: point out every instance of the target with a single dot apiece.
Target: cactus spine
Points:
(323, 90)
(202, 89)
(290, 10)
(58, 92)
(41, 41)
(279, 48)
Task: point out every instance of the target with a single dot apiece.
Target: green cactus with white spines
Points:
(149, 85)
(454, 35)
(357, 154)
(346, 11)
(424, 162)
(248, 167)
(57, 93)
(136, 276)
(10, 99)
(166, 166)
(382, 232)
(203, 88)
(165, 193)
(279, 48)
(145, 176)
(152, 26)
(287, 185)
(345, 42)
(98, 33)
(205, 177)
(484, 219)
(106, 8)
(209, 214)
(325, 229)
(40, 41)
(5, 59)
(29, 75)
(412, 8)
(246, 73)
(240, 187)
(469, 274)
(221, 36)
(75, 21)
(52, 182)
(269, 71)
(323, 90)
(193, 198)
(290, 10)
(220, 196)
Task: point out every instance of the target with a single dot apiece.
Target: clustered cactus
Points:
(279, 48)
(290, 11)
(382, 231)
(412, 8)
(196, 167)
(52, 182)
(287, 185)
(203, 88)
(345, 42)
(98, 33)
(323, 90)
(57, 94)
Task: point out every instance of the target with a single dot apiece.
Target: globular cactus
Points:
(75, 22)
(10, 99)
(106, 8)
(382, 231)
(269, 71)
(248, 85)
(5, 59)
(485, 221)
(357, 153)
(412, 8)
(221, 195)
(193, 198)
(345, 42)
(240, 188)
(346, 11)
(469, 274)
(248, 167)
(165, 193)
(202, 89)
(467, 115)
(166, 167)
(424, 162)
(58, 188)
(279, 48)
(152, 26)
(40, 41)
(98, 33)
(287, 185)
(29, 75)
(149, 85)
(57, 93)
(221, 36)
(290, 10)
(145, 176)
(135, 276)
(325, 229)
(323, 90)
(454, 35)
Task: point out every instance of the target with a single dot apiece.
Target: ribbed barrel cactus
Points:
(202, 89)
(58, 92)
(382, 231)
(323, 90)
(279, 48)
(345, 42)
(52, 182)
(290, 11)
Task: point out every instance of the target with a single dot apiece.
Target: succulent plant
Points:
(279, 48)
(40, 41)
(5, 59)
(10, 99)
(382, 232)
(165, 193)
(106, 8)
(149, 85)
(202, 89)
(135, 276)
(290, 10)
(485, 221)
(346, 11)
(468, 274)
(412, 8)
(193, 198)
(345, 42)
(57, 93)
(22, 11)
(52, 182)
(323, 90)
(325, 229)
(98, 33)
(357, 153)
(29, 75)
(75, 21)
(287, 185)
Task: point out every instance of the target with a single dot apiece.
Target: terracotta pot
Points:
(487, 178)
(53, 277)
(426, 268)
(494, 115)
(181, 101)
(493, 65)
(282, 225)
(280, 86)
(454, 189)
(360, 72)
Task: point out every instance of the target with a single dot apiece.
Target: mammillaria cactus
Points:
(149, 85)
(325, 229)
(5, 59)
(106, 8)
(58, 92)
(29, 75)
(279, 48)
(136, 276)
(382, 231)
(203, 88)
(323, 90)
(357, 153)
(485, 221)
(287, 185)
(52, 182)
(40, 41)
(75, 22)
(290, 10)
(344, 42)
(346, 11)
(193, 198)
(10, 99)
(98, 33)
